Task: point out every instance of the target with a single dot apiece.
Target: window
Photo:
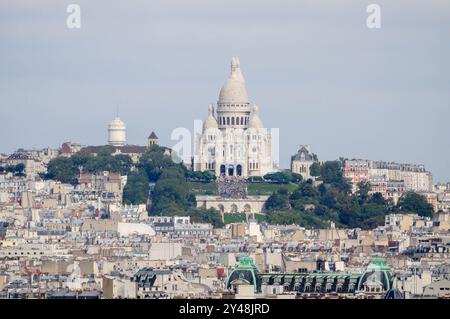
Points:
(232, 121)
(228, 121)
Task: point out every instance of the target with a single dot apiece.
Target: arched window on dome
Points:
(228, 121)
(232, 121)
(242, 121)
(220, 121)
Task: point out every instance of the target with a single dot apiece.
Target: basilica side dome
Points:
(255, 120)
(210, 120)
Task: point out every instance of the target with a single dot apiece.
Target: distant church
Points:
(234, 141)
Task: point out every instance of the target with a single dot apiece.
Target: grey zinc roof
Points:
(307, 154)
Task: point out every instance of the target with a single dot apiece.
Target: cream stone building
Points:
(234, 141)
(384, 175)
(248, 205)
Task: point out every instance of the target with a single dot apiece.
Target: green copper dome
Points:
(377, 278)
(245, 273)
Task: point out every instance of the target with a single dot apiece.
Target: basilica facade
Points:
(234, 142)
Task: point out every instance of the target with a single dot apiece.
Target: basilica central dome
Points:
(233, 107)
(234, 90)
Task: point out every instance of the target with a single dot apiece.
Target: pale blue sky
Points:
(314, 68)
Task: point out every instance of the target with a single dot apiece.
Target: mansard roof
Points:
(303, 154)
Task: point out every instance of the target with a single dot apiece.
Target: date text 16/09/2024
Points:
(243, 309)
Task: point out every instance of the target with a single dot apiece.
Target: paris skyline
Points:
(315, 69)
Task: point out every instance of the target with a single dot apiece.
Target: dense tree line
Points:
(412, 202)
(283, 177)
(278, 178)
(199, 176)
(67, 169)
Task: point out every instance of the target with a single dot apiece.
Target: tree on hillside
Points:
(62, 169)
(154, 161)
(363, 191)
(123, 163)
(136, 190)
(296, 178)
(315, 169)
(377, 198)
(412, 202)
(278, 200)
(331, 173)
(171, 192)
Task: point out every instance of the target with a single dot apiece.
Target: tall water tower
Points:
(117, 132)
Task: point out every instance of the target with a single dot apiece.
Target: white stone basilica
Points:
(234, 141)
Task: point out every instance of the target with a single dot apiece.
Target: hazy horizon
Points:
(313, 67)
